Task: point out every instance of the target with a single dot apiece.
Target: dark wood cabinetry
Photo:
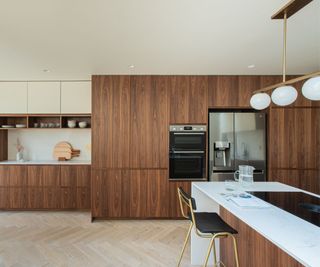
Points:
(131, 118)
(294, 143)
(149, 123)
(45, 187)
(110, 121)
(188, 99)
(133, 194)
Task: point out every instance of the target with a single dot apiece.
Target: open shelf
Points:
(44, 121)
(77, 119)
(13, 120)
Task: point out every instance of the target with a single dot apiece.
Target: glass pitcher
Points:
(245, 175)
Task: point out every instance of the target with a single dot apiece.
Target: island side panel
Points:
(253, 249)
(199, 245)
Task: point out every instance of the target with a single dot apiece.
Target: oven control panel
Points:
(188, 128)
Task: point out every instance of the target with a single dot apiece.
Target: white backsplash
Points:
(39, 144)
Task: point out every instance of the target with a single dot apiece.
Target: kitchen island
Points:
(268, 235)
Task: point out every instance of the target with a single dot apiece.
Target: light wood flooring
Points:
(32, 239)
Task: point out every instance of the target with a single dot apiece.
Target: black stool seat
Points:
(211, 223)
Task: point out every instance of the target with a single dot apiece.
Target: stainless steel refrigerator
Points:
(236, 138)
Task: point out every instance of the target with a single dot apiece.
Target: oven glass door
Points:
(187, 165)
(187, 141)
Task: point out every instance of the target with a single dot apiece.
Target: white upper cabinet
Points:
(43, 97)
(13, 97)
(75, 97)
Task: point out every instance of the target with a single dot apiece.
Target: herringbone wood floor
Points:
(32, 239)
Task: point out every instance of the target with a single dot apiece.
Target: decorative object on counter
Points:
(245, 175)
(20, 148)
(64, 151)
(284, 93)
(83, 124)
(72, 123)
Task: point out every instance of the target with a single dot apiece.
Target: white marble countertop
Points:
(297, 237)
(46, 162)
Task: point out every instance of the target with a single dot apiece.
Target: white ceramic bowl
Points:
(83, 124)
(72, 124)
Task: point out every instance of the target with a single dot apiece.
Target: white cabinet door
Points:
(75, 97)
(13, 97)
(43, 97)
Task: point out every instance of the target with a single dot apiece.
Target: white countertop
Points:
(295, 236)
(46, 162)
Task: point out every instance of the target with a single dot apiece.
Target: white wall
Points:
(39, 144)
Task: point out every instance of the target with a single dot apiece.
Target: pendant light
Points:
(260, 101)
(311, 88)
(284, 93)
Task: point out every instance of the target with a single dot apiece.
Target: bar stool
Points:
(207, 225)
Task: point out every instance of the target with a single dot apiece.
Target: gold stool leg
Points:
(235, 248)
(214, 253)
(208, 253)
(185, 244)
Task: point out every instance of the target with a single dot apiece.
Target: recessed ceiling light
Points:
(252, 66)
(46, 70)
(131, 66)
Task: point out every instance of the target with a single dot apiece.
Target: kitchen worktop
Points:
(297, 237)
(46, 162)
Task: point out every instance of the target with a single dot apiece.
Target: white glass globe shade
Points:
(284, 95)
(260, 101)
(311, 88)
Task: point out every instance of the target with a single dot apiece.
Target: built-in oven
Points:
(187, 152)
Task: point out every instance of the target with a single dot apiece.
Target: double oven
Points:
(187, 152)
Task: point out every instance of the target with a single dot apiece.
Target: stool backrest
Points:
(186, 201)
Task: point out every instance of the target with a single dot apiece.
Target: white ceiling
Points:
(77, 38)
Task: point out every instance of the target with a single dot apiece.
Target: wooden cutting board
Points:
(62, 151)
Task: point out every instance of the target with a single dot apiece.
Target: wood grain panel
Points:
(76, 176)
(188, 99)
(44, 175)
(247, 85)
(157, 194)
(179, 99)
(107, 198)
(68, 198)
(254, 250)
(308, 180)
(198, 94)
(17, 198)
(110, 121)
(174, 205)
(138, 193)
(4, 197)
(35, 198)
(149, 124)
(99, 192)
(13, 175)
(223, 91)
(51, 198)
(83, 198)
(294, 139)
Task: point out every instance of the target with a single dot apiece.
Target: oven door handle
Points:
(188, 133)
(187, 152)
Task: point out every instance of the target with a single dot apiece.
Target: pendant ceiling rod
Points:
(284, 13)
(284, 52)
(298, 79)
